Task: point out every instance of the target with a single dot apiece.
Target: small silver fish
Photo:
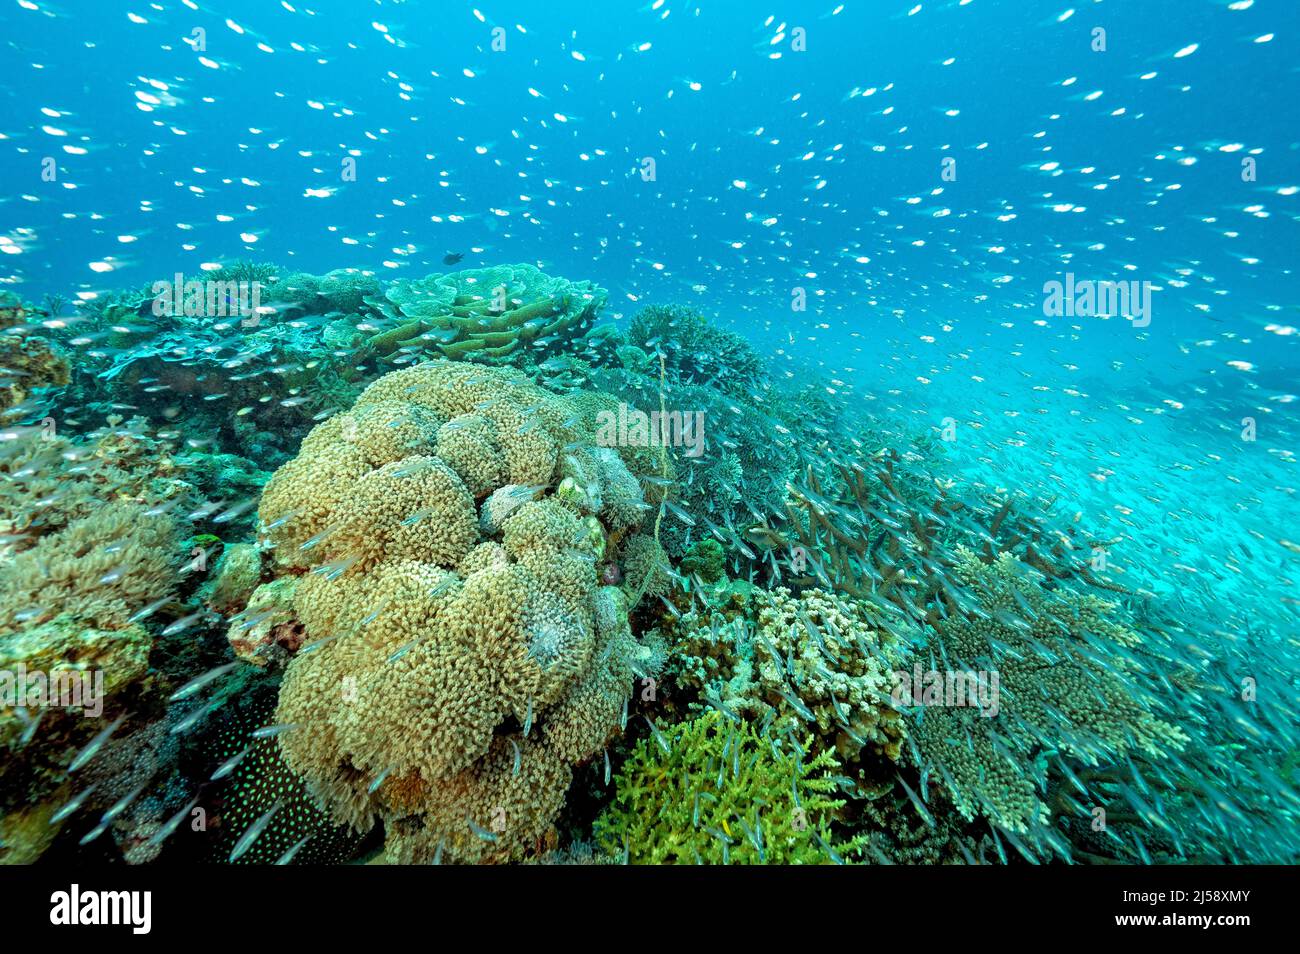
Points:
(95, 744)
(271, 731)
(198, 682)
(228, 766)
(253, 832)
(170, 826)
(288, 856)
(658, 736)
(69, 809)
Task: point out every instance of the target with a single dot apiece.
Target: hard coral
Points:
(28, 364)
(722, 793)
(819, 663)
(463, 661)
(485, 313)
(1059, 655)
(697, 351)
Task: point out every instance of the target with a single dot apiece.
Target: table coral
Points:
(1065, 684)
(461, 656)
(484, 313)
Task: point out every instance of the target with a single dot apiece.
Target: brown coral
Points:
(816, 661)
(102, 569)
(463, 659)
(1052, 684)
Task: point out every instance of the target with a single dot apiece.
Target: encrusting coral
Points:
(459, 659)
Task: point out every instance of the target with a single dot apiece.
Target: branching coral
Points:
(723, 793)
(697, 351)
(731, 468)
(458, 662)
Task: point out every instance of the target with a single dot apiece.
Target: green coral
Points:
(725, 793)
(261, 782)
(706, 559)
(484, 313)
(698, 352)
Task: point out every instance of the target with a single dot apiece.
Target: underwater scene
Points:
(654, 432)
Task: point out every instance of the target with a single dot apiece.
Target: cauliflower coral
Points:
(460, 655)
(817, 661)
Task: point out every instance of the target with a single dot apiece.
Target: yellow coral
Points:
(101, 569)
(458, 669)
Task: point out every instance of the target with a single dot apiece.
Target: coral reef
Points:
(1059, 657)
(250, 380)
(435, 624)
(29, 365)
(696, 350)
(816, 663)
